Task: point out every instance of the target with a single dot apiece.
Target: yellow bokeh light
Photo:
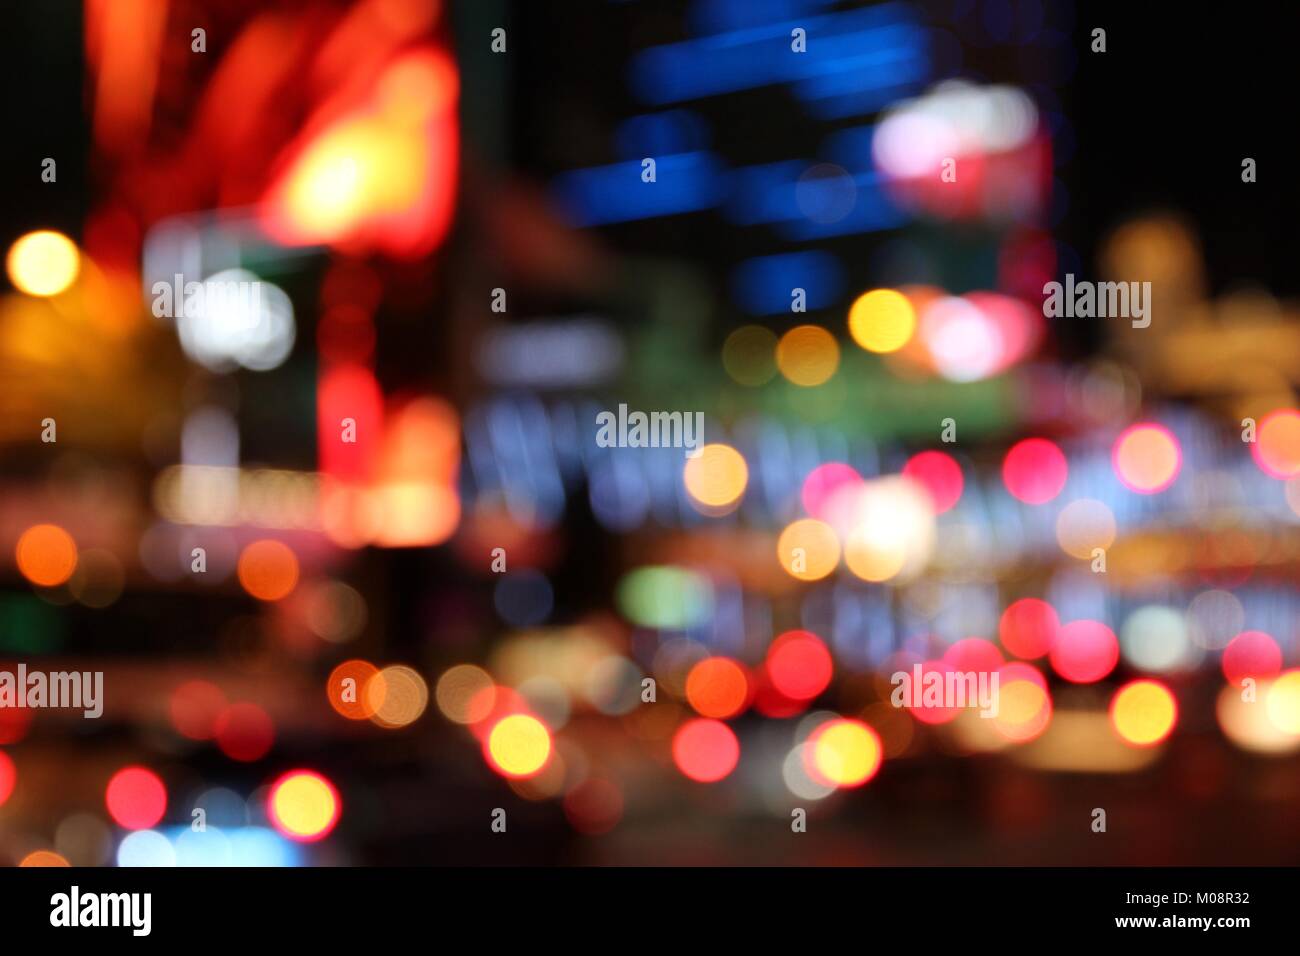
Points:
(43, 263)
(846, 753)
(716, 477)
(808, 549)
(304, 805)
(1283, 702)
(519, 745)
(808, 355)
(1143, 712)
(871, 558)
(749, 355)
(1247, 724)
(465, 694)
(882, 320)
(1023, 709)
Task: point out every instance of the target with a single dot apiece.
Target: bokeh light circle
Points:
(940, 475)
(1276, 448)
(519, 746)
(43, 263)
(749, 355)
(136, 798)
(799, 665)
(46, 555)
(717, 687)
(465, 694)
(1143, 712)
(882, 320)
(845, 753)
(1084, 651)
(398, 696)
(303, 805)
(1035, 471)
(1147, 458)
(244, 732)
(716, 477)
(347, 689)
(1251, 654)
(807, 355)
(1028, 628)
(705, 750)
(1283, 702)
(195, 706)
(808, 549)
(268, 569)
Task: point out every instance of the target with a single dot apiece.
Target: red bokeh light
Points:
(244, 732)
(1085, 651)
(136, 798)
(973, 654)
(594, 806)
(940, 475)
(1028, 628)
(8, 777)
(705, 750)
(1035, 470)
(922, 712)
(14, 724)
(1251, 654)
(799, 665)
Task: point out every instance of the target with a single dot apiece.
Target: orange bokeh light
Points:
(717, 687)
(808, 549)
(1147, 458)
(268, 570)
(1277, 443)
(347, 690)
(46, 555)
(716, 478)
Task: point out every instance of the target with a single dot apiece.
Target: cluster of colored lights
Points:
(301, 806)
(919, 329)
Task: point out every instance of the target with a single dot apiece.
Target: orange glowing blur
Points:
(46, 555)
(1277, 444)
(1147, 458)
(44, 858)
(348, 691)
(382, 175)
(268, 570)
(716, 478)
(808, 549)
(717, 687)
